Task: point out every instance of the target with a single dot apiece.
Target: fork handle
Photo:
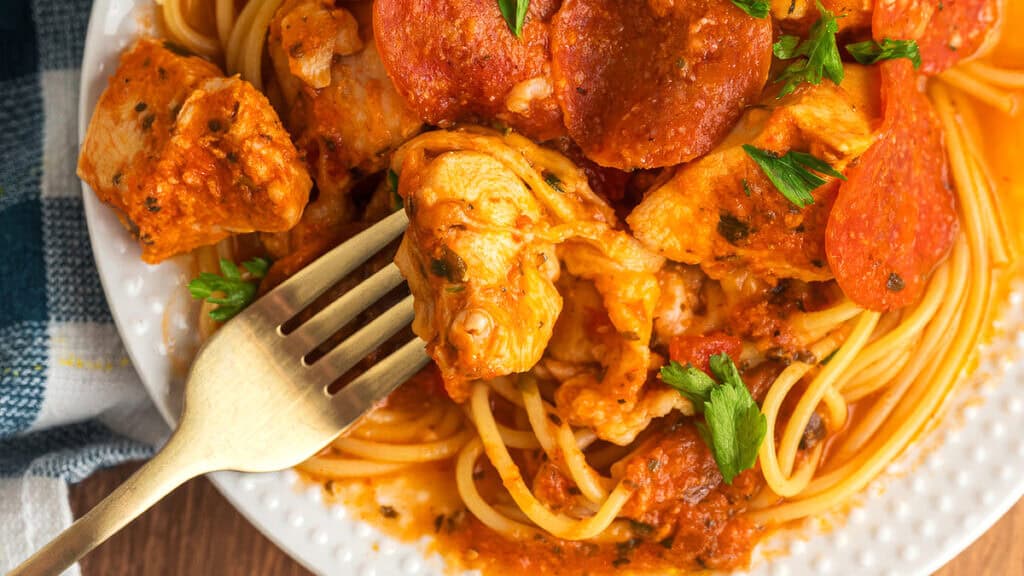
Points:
(181, 459)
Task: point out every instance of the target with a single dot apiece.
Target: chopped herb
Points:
(653, 464)
(895, 283)
(871, 52)
(141, 106)
(514, 13)
(755, 8)
(152, 205)
(690, 381)
(117, 179)
(449, 265)
(396, 199)
(829, 357)
(819, 54)
(681, 63)
(455, 289)
(554, 182)
(641, 528)
(388, 512)
(746, 187)
(147, 121)
(228, 290)
(733, 426)
(732, 228)
(793, 174)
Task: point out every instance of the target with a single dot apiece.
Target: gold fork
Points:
(252, 403)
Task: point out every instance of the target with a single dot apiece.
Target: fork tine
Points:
(344, 309)
(379, 381)
(339, 360)
(299, 291)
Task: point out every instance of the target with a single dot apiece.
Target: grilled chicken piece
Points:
(479, 265)
(188, 157)
(491, 244)
(722, 212)
(347, 126)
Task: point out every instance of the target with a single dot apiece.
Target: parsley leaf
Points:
(871, 52)
(793, 174)
(396, 198)
(514, 12)
(229, 290)
(733, 426)
(690, 381)
(819, 55)
(755, 8)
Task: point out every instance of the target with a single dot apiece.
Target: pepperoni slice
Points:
(698, 350)
(946, 31)
(895, 218)
(645, 84)
(457, 60)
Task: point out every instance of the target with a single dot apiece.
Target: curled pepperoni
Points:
(946, 31)
(645, 84)
(894, 219)
(457, 60)
(698, 350)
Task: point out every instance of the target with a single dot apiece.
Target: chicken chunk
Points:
(498, 228)
(349, 126)
(188, 157)
(477, 260)
(723, 213)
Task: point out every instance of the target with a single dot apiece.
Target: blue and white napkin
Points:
(70, 401)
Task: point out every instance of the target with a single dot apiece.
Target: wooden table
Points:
(196, 532)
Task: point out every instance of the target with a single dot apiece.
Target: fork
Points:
(252, 401)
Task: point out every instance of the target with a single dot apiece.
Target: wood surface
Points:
(195, 531)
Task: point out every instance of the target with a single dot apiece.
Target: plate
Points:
(945, 491)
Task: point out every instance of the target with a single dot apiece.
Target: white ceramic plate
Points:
(967, 471)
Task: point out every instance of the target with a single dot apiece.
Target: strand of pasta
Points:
(993, 75)
(590, 483)
(224, 12)
(333, 467)
(401, 431)
(422, 452)
(183, 33)
(790, 444)
(556, 524)
(1002, 100)
(476, 504)
(813, 326)
(780, 483)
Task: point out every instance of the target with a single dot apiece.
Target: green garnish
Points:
(871, 52)
(733, 426)
(396, 199)
(755, 8)
(793, 174)
(514, 12)
(819, 55)
(234, 293)
(554, 182)
(690, 381)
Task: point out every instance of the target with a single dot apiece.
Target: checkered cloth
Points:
(70, 401)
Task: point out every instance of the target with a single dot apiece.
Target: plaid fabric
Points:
(70, 400)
